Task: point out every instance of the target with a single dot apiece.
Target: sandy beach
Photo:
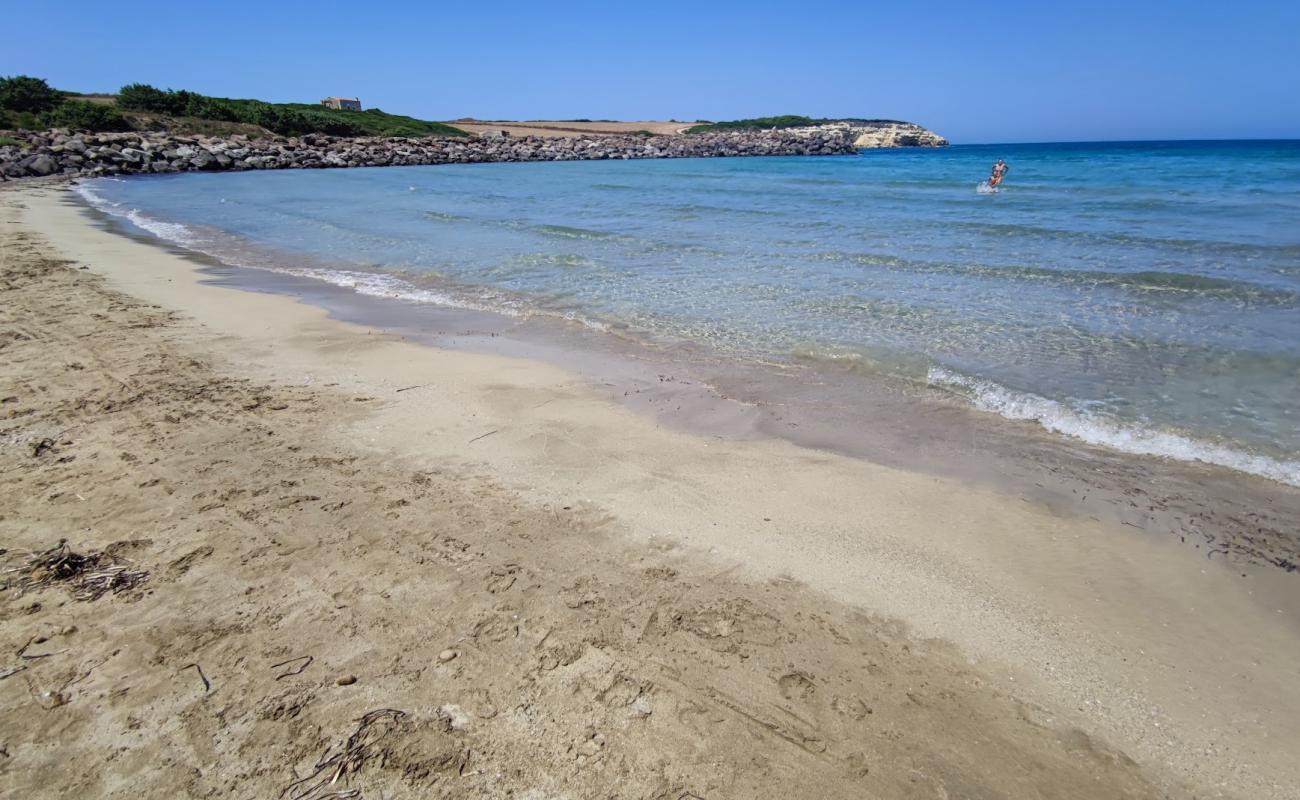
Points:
(411, 571)
(560, 128)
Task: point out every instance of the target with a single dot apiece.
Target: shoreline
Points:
(1079, 616)
(814, 403)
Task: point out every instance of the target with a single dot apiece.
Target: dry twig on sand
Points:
(89, 575)
(484, 436)
(346, 761)
(22, 651)
(293, 670)
(113, 579)
(207, 685)
(58, 563)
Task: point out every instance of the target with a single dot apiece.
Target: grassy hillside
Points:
(290, 119)
(783, 121)
(30, 103)
(374, 122)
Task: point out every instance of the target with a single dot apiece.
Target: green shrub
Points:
(203, 107)
(143, 97)
(757, 123)
(371, 122)
(333, 126)
(82, 116)
(286, 119)
(20, 120)
(292, 122)
(25, 93)
(9, 141)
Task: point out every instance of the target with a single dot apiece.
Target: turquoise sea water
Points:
(1142, 296)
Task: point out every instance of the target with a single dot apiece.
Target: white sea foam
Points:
(1059, 418)
(392, 287)
(170, 231)
(373, 284)
(95, 199)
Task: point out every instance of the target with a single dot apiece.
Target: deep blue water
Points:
(1144, 296)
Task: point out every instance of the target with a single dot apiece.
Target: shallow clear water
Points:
(1143, 296)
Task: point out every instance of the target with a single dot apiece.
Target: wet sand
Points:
(794, 620)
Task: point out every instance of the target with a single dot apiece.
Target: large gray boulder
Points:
(41, 165)
(203, 160)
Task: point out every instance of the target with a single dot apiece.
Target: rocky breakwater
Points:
(59, 152)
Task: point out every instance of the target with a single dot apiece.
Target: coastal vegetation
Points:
(287, 119)
(23, 93)
(28, 103)
(84, 116)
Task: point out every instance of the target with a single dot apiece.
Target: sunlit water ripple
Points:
(1145, 297)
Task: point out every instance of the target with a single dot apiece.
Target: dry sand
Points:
(550, 128)
(564, 599)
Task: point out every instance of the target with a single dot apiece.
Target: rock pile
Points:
(59, 152)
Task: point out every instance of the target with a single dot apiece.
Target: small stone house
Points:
(343, 103)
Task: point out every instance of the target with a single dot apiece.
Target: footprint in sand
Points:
(796, 686)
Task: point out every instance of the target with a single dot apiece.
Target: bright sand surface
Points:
(1188, 666)
(568, 127)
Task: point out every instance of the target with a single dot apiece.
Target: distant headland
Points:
(142, 129)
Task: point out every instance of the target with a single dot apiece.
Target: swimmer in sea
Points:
(999, 172)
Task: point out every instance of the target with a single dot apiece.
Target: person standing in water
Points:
(999, 172)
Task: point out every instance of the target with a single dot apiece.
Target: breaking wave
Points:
(371, 284)
(1059, 418)
(171, 231)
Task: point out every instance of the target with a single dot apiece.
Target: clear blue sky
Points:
(976, 72)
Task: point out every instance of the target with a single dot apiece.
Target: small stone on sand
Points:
(346, 680)
(455, 716)
(447, 655)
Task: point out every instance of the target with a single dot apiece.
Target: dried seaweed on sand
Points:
(348, 760)
(88, 576)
